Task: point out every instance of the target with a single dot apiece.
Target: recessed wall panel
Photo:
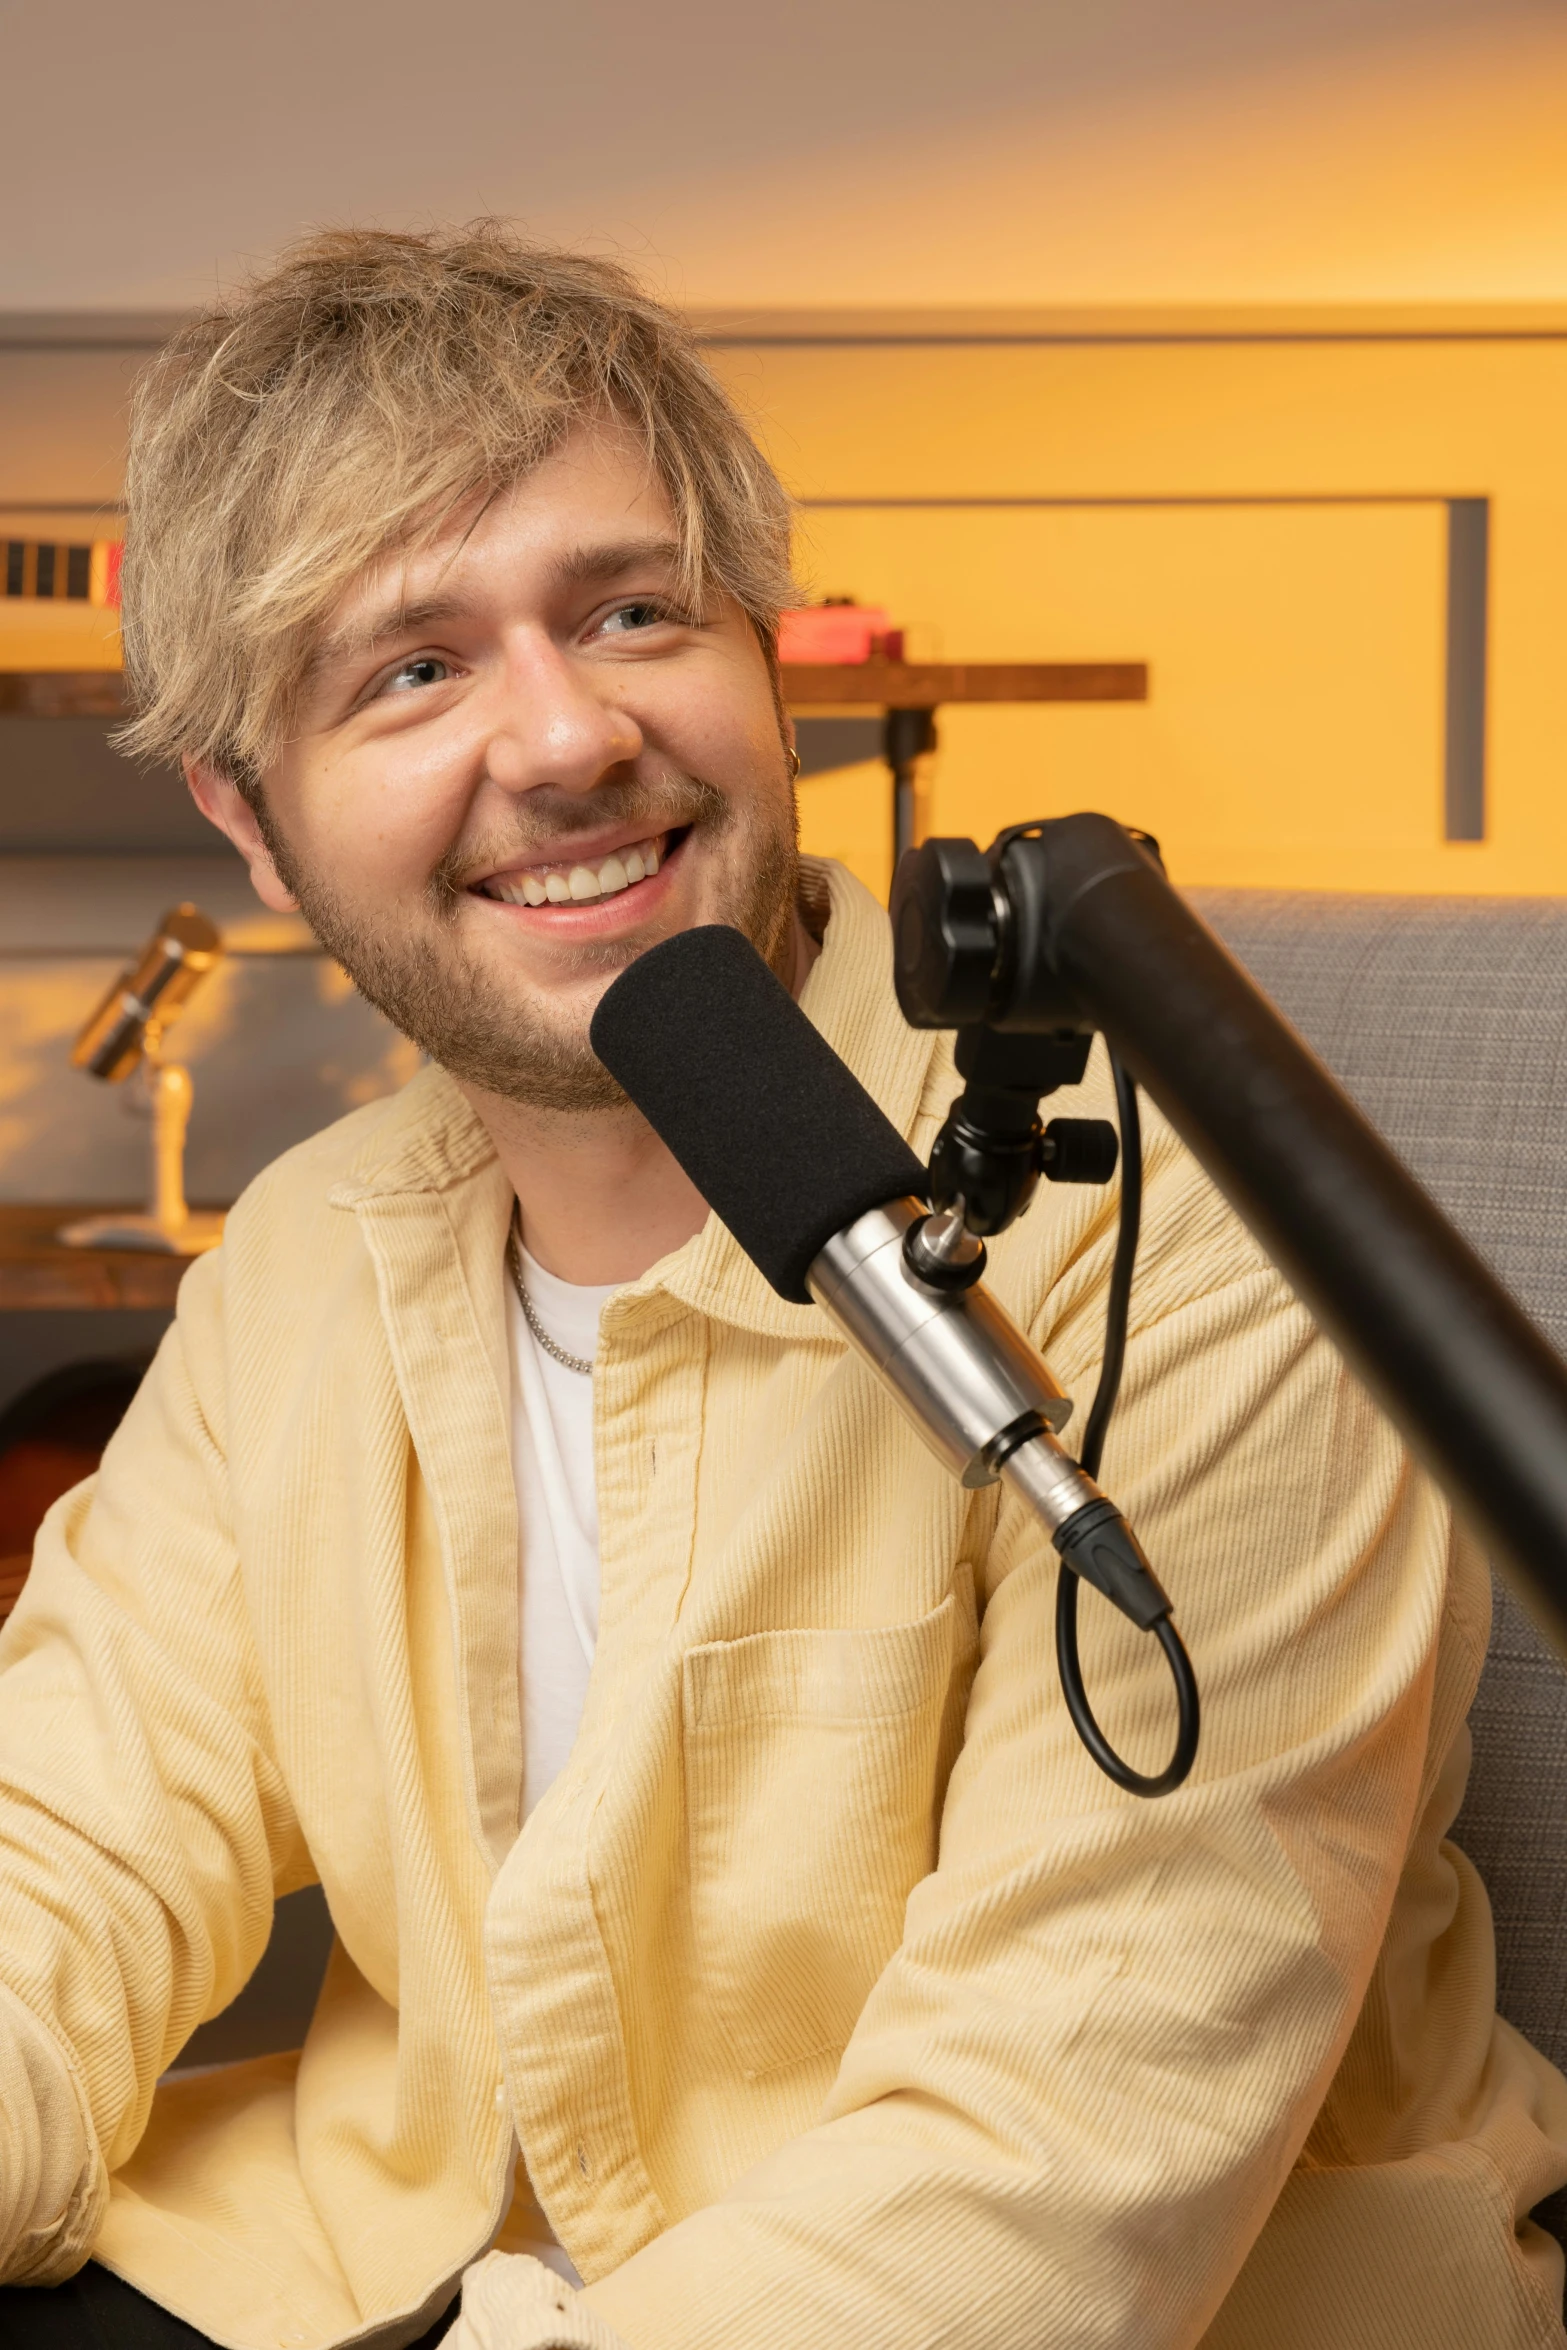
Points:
(1294, 728)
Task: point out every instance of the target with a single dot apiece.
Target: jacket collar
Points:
(431, 1141)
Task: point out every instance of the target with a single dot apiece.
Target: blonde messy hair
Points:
(351, 402)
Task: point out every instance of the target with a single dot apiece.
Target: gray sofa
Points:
(1446, 1018)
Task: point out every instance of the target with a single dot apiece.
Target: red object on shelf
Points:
(838, 632)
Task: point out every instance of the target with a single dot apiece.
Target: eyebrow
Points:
(588, 566)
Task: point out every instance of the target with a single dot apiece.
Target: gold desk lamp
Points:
(127, 1030)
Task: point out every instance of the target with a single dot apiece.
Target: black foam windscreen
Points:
(778, 1135)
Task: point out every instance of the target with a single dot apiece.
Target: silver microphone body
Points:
(974, 1385)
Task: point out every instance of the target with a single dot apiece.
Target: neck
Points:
(600, 1196)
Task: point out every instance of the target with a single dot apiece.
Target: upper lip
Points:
(588, 848)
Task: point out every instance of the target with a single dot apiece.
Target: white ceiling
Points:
(902, 151)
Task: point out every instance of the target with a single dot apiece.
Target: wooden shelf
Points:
(925, 685)
(62, 693)
(40, 1274)
(836, 685)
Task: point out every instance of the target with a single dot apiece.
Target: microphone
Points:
(149, 994)
(824, 1195)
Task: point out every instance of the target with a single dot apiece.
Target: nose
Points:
(553, 724)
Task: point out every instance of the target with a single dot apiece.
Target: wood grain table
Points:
(925, 685)
(62, 693)
(911, 692)
(39, 1273)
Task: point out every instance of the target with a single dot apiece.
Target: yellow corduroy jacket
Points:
(833, 1995)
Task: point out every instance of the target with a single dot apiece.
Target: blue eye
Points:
(635, 616)
(426, 669)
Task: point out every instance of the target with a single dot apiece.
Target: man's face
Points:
(520, 763)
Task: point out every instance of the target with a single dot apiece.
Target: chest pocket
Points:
(810, 1782)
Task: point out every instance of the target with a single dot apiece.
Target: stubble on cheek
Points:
(524, 1043)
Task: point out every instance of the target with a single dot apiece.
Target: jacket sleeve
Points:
(1079, 2086)
(143, 1825)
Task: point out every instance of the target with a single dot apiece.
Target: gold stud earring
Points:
(794, 763)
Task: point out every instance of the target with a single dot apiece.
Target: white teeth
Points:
(618, 871)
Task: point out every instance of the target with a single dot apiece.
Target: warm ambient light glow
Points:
(1261, 512)
(1411, 162)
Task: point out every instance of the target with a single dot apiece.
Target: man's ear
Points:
(225, 805)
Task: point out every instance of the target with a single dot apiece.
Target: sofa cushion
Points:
(1446, 1018)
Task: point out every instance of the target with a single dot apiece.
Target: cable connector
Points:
(1097, 1543)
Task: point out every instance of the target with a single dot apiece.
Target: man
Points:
(830, 1994)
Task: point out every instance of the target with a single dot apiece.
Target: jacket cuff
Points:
(511, 2301)
(52, 2185)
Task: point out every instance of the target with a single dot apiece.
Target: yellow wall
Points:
(1254, 503)
(1255, 506)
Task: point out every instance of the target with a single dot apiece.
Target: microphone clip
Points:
(992, 1149)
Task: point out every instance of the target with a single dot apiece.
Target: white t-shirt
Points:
(552, 1461)
(557, 1504)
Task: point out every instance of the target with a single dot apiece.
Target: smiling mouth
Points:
(563, 882)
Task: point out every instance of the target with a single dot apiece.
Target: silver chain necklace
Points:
(551, 1346)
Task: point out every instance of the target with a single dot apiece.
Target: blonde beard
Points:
(430, 988)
